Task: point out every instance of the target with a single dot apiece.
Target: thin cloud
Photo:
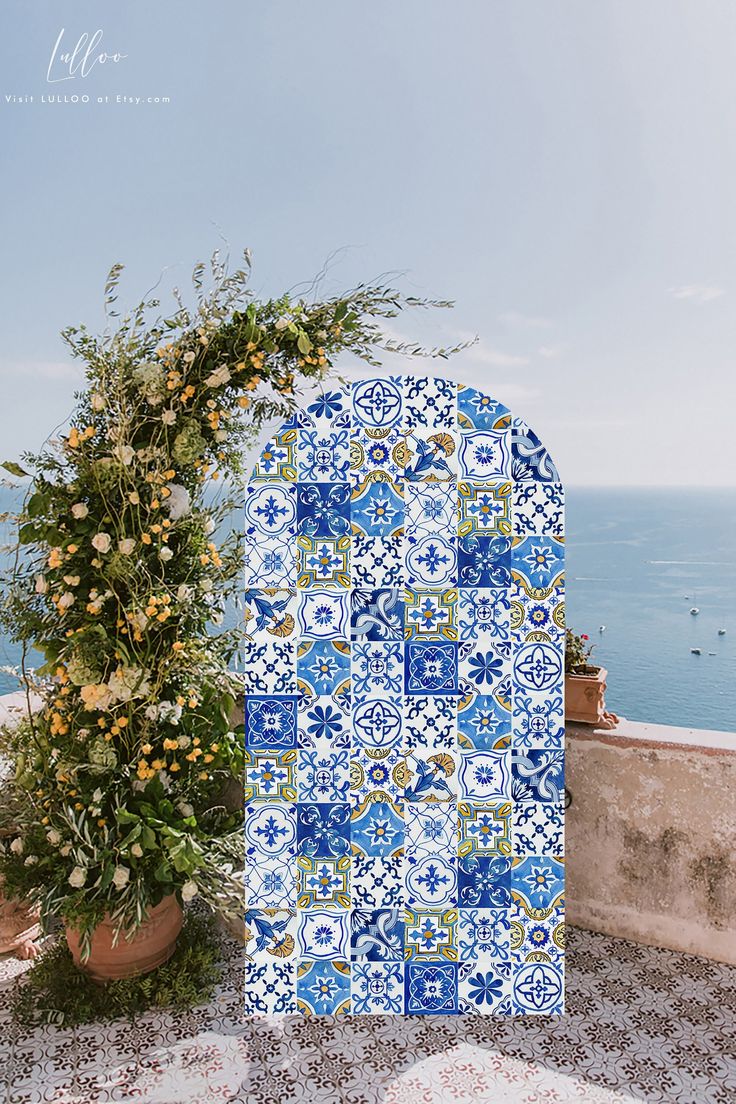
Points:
(698, 293)
(551, 352)
(41, 370)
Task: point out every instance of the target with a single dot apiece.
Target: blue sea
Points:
(638, 560)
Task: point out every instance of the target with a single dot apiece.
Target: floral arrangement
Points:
(578, 651)
(123, 572)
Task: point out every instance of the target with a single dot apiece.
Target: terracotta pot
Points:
(151, 945)
(19, 927)
(585, 699)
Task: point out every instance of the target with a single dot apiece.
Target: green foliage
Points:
(120, 575)
(55, 991)
(578, 651)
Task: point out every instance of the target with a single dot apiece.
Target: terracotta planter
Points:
(585, 699)
(149, 947)
(19, 927)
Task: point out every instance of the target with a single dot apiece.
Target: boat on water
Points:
(721, 632)
(696, 651)
(694, 611)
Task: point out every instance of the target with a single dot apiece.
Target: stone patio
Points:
(642, 1025)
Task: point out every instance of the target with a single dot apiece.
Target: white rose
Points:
(101, 542)
(17, 846)
(281, 323)
(78, 877)
(125, 454)
(120, 877)
(184, 593)
(98, 401)
(126, 546)
(189, 357)
(134, 498)
(53, 837)
(205, 586)
(41, 585)
(79, 510)
(166, 554)
(209, 527)
(178, 503)
(221, 435)
(186, 809)
(136, 850)
(31, 860)
(170, 712)
(219, 377)
(168, 417)
(67, 600)
(188, 890)
(65, 850)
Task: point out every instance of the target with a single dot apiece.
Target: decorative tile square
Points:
(323, 934)
(377, 774)
(430, 615)
(323, 449)
(538, 882)
(431, 934)
(323, 988)
(270, 775)
(538, 935)
(485, 509)
(485, 776)
(483, 561)
(431, 987)
(538, 828)
(323, 665)
(485, 456)
(323, 882)
(377, 935)
(323, 615)
(484, 934)
(486, 986)
(323, 561)
(538, 775)
(323, 773)
(324, 722)
(485, 829)
(278, 458)
(429, 723)
(377, 614)
(478, 411)
(484, 614)
(539, 508)
(404, 722)
(270, 722)
(530, 459)
(484, 881)
(377, 987)
(483, 722)
(378, 669)
(431, 667)
(537, 562)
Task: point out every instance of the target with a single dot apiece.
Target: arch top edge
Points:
(404, 426)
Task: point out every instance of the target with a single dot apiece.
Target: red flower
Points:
(584, 636)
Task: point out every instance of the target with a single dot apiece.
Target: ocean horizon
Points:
(638, 559)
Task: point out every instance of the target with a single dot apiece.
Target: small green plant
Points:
(578, 651)
(55, 991)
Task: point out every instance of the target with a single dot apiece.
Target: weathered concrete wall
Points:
(651, 836)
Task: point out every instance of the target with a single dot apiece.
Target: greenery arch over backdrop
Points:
(117, 798)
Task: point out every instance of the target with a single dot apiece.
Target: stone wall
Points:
(651, 836)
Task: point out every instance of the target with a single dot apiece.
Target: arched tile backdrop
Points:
(404, 708)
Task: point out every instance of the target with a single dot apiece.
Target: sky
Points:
(564, 171)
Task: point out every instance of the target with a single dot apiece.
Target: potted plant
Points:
(125, 568)
(585, 684)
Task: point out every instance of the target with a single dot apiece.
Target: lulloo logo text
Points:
(78, 62)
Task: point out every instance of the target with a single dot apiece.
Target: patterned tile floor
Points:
(642, 1025)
